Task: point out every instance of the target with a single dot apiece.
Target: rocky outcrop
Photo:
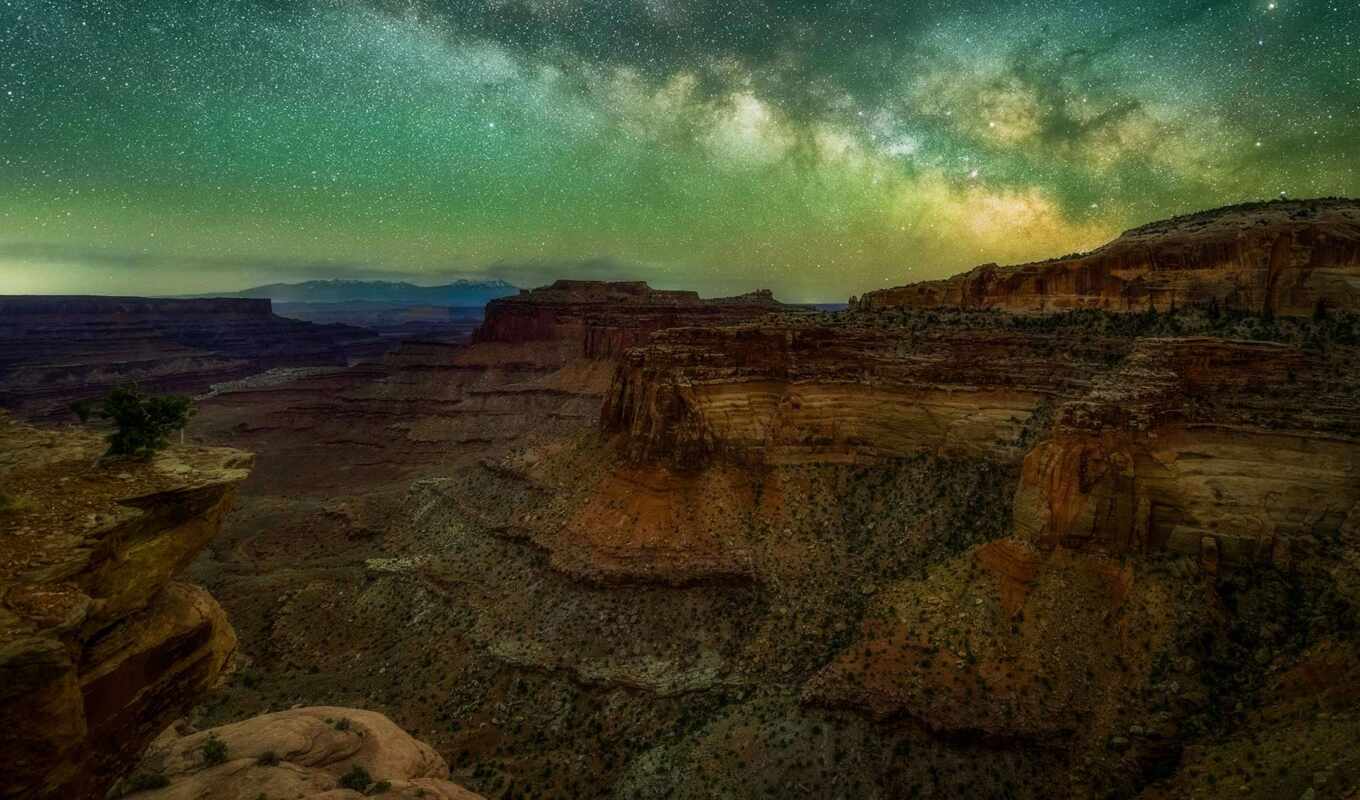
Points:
(607, 318)
(1230, 451)
(1287, 258)
(55, 349)
(322, 752)
(841, 391)
(100, 647)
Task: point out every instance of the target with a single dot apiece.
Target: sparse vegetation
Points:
(142, 423)
(14, 503)
(357, 779)
(214, 751)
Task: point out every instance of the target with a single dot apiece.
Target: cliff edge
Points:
(100, 646)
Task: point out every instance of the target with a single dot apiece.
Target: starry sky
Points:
(820, 149)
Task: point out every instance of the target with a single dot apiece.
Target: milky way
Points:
(819, 149)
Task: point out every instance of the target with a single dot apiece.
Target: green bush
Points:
(267, 759)
(214, 751)
(143, 424)
(357, 779)
(381, 787)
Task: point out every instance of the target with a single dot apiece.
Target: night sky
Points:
(819, 149)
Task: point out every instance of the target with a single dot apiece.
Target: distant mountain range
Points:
(461, 293)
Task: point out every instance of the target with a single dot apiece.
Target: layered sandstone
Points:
(1287, 258)
(608, 318)
(1231, 451)
(56, 349)
(1149, 466)
(319, 752)
(841, 391)
(100, 646)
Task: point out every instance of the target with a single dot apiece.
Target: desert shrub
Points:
(357, 779)
(342, 724)
(214, 751)
(267, 759)
(143, 424)
(381, 787)
(85, 409)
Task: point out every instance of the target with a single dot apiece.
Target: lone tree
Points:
(142, 424)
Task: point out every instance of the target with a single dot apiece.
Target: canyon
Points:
(1032, 539)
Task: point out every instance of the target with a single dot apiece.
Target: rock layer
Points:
(1230, 451)
(608, 318)
(1287, 258)
(100, 648)
(843, 392)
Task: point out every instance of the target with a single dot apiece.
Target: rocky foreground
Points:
(334, 753)
(102, 647)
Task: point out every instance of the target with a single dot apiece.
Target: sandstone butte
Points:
(101, 648)
(604, 319)
(1283, 257)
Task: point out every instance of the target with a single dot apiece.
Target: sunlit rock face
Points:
(1288, 258)
(100, 646)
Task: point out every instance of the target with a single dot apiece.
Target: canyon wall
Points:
(1227, 450)
(608, 318)
(839, 391)
(57, 349)
(1286, 257)
(1159, 442)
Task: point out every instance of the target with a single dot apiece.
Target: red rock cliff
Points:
(608, 318)
(1287, 258)
(1232, 451)
(841, 391)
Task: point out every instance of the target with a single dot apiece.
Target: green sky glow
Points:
(819, 149)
